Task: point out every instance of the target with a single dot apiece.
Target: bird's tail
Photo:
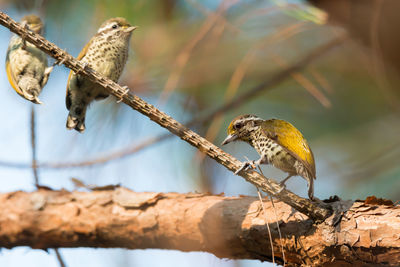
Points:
(30, 89)
(76, 119)
(310, 182)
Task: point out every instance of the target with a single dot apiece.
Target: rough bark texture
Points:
(316, 211)
(231, 227)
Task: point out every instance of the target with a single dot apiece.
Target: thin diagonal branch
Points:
(306, 83)
(314, 211)
(269, 83)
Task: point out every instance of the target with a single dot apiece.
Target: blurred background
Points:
(189, 58)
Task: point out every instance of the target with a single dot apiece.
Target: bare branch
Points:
(314, 211)
(269, 83)
(306, 83)
(134, 148)
(228, 227)
(59, 258)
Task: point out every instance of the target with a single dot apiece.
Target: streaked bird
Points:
(278, 143)
(106, 53)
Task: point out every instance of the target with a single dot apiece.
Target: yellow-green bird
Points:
(278, 143)
(106, 53)
(26, 65)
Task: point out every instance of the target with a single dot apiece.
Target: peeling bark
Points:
(229, 227)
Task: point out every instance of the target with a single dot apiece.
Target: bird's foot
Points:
(59, 62)
(48, 70)
(125, 92)
(257, 211)
(283, 186)
(246, 165)
(85, 65)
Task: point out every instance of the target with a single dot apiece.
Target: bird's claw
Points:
(246, 165)
(59, 62)
(283, 186)
(125, 92)
(85, 65)
(48, 70)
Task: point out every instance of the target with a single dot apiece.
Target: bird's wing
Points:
(11, 78)
(80, 56)
(287, 136)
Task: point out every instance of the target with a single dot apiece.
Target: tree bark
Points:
(358, 234)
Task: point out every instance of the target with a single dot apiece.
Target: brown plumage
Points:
(106, 53)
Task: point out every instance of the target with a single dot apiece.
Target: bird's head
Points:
(241, 128)
(116, 27)
(34, 23)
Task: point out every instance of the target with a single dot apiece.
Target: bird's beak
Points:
(130, 29)
(229, 138)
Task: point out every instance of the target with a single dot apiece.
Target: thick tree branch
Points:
(316, 212)
(229, 227)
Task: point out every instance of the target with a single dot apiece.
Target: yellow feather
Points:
(286, 135)
(11, 79)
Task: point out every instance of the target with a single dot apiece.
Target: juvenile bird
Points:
(278, 143)
(26, 65)
(106, 53)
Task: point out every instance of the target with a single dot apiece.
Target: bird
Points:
(278, 143)
(26, 65)
(106, 53)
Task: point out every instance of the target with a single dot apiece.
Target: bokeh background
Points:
(188, 58)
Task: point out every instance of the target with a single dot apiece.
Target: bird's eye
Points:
(114, 26)
(237, 125)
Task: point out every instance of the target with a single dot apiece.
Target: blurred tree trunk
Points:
(366, 20)
(374, 24)
(168, 7)
(229, 227)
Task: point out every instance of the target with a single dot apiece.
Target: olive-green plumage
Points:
(279, 143)
(106, 53)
